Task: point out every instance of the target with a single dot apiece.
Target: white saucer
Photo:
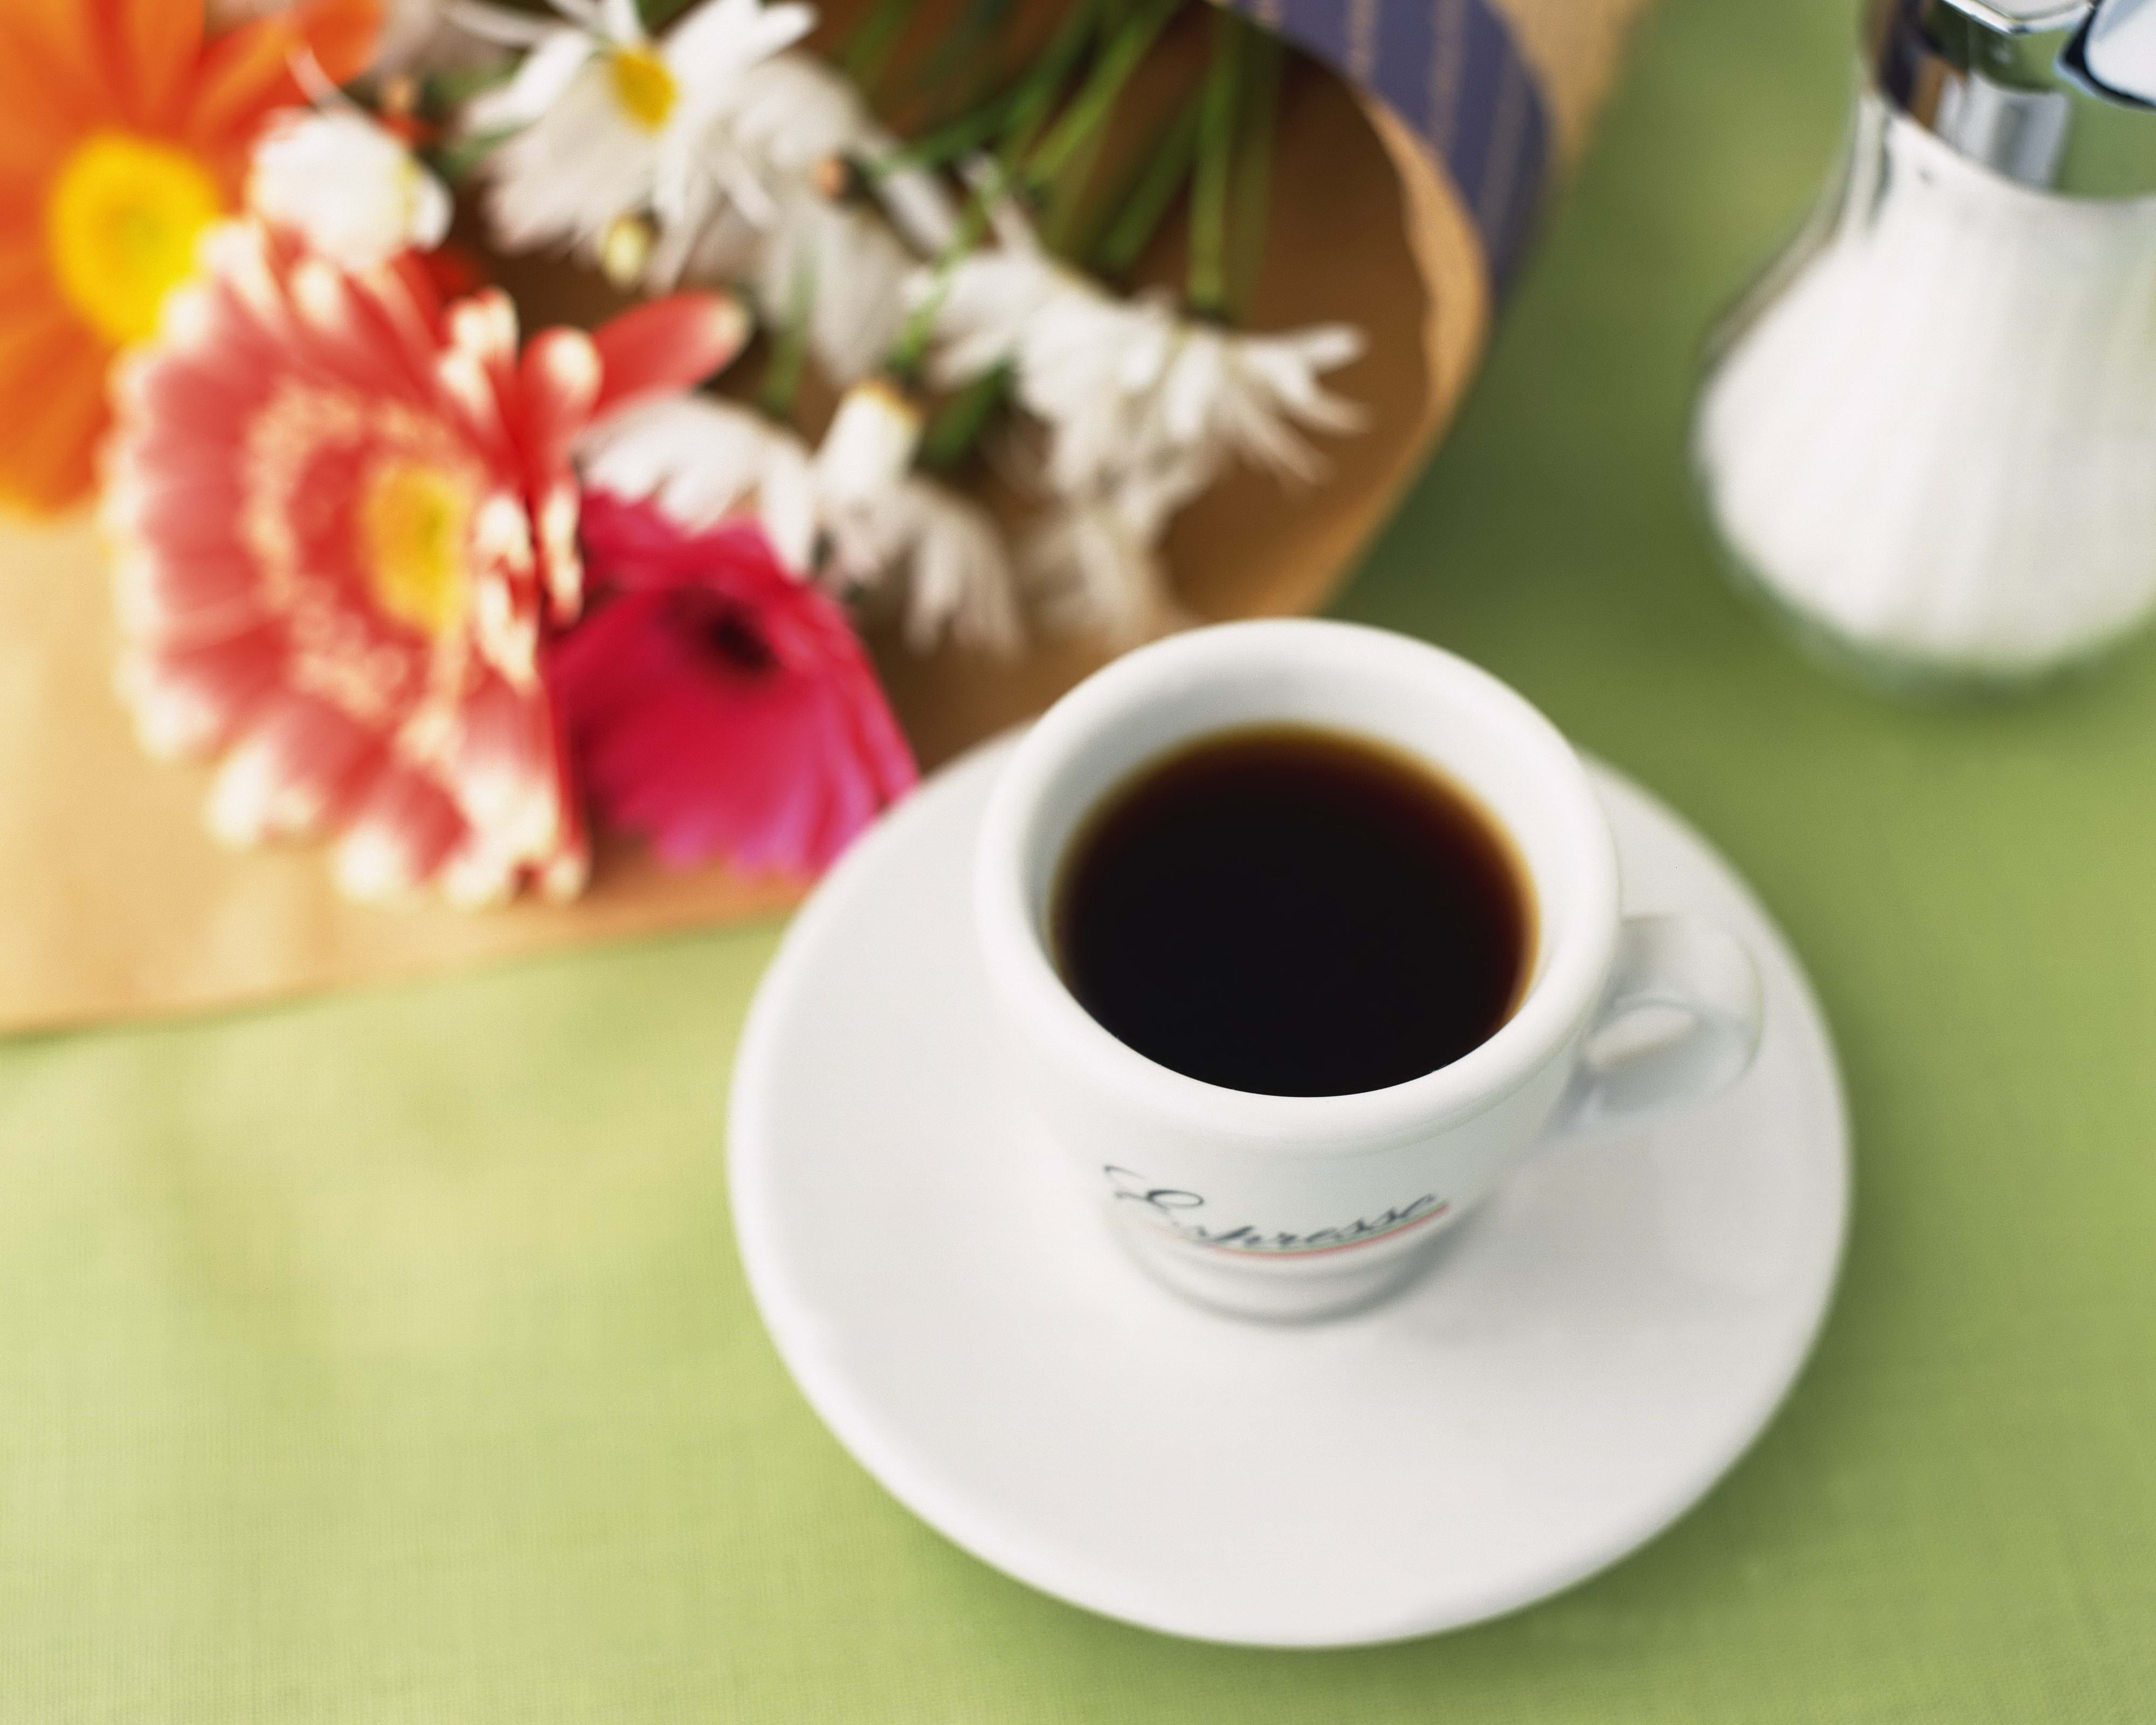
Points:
(1585, 1358)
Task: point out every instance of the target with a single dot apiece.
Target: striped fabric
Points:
(1451, 70)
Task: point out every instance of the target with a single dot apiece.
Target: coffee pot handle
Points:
(1679, 1020)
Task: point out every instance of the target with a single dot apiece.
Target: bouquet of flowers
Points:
(895, 347)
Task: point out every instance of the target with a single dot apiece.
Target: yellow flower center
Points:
(122, 224)
(642, 85)
(413, 522)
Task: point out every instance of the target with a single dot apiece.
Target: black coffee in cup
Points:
(1294, 911)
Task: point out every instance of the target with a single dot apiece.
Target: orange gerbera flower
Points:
(124, 134)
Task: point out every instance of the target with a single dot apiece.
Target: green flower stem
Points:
(1135, 215)
(442, 92)
(1037, 93)
(789, 350)
(1087, 117)
(955, 431)
(867, 55)
(912, 346)
(1207, 291)
(457, 159)
(1064, 203)
(965, 49)
(1264, 60)
(962, 136)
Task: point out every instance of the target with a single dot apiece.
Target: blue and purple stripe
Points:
(1452, 71)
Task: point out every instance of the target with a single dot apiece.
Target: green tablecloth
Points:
(386, 1359)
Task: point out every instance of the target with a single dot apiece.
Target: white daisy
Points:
(791, 114)
(729, 197)
(608, 121)
(795, 118)
(347, 186)
(780, 203)
(786, 115)
(701, 460)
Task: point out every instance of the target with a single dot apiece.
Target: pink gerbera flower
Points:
(717, 704)
(345, 518)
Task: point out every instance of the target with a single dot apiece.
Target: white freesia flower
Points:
(870, 443)
(1089, 368)
(959, 576)
(935, 559)
(1244, 394)
(896, 536)
(986, 300)
(1083, 363)
(852, 514)
(609, 122)
(1121, 383)
(1092, 563)
(844, 268)
(347, 186)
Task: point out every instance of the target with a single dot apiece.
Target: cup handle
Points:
(1666, 966)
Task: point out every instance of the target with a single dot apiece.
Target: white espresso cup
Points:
(1292, 1206)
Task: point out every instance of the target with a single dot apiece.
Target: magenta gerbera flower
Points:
(715, 704)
